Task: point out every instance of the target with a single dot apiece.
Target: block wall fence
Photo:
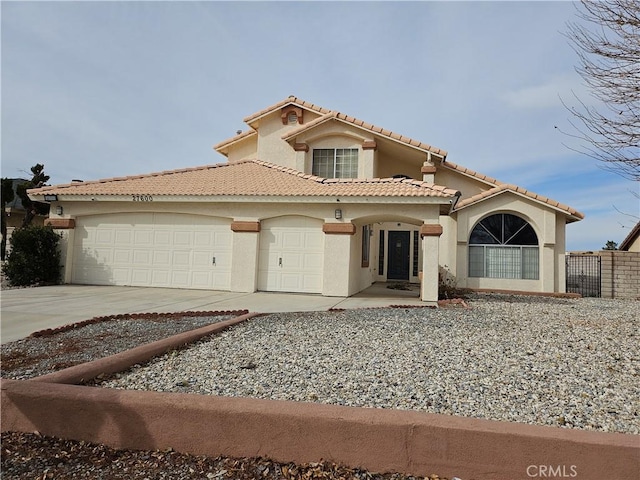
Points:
(619, 273)
(620, 276)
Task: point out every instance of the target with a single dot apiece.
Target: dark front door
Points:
(398, 264)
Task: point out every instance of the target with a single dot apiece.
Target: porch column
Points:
(337, 261)
(430, 234)
(244, 256)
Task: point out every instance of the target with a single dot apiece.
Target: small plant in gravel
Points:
(448, 285)
(34, 257)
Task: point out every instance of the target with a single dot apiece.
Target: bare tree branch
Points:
(609, 63)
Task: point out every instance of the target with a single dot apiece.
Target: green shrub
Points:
(34, 257)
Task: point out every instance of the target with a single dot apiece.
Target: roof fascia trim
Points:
(331, 199)
(507, 189)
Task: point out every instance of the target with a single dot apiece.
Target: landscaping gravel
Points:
(571, 363)
(568, 363)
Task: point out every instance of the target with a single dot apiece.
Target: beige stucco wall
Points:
(248, 149)
(343, 272)
(457, 181)
(387, 167)
(268, 145)
(549, 226)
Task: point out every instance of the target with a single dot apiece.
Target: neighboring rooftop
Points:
(631, 238)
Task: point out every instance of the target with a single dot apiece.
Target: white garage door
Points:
(153, 250)
(291, 255)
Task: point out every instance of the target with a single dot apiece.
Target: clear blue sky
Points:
(104, 89)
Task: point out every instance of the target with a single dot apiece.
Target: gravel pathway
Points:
(547, 361)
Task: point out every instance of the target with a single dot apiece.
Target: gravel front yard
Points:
(560, 362)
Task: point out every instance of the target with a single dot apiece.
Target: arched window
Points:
(504, 246)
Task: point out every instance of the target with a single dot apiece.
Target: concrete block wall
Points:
(620, 276)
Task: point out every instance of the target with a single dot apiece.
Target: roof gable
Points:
(290, 100)
(360, 124)
(503, 188)
(326, 115)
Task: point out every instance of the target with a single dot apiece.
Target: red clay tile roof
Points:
(629, 239)
(290, 99)
(471, 173)
(247, 178)
(505, 187)
(328, 115)
(235, 138)
(366, 126)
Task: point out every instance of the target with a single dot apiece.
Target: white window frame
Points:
(353, 169)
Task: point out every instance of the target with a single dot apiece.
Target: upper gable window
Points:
(335, 162)
(292, 118)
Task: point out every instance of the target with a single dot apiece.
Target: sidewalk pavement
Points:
(27, 310)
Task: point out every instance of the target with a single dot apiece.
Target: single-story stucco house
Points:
(311, 200)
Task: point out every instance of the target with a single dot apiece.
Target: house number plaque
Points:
(142, 198)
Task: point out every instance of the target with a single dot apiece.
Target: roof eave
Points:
(343, 199)
(571, 214)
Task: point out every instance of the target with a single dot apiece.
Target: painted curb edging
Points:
(381, 440)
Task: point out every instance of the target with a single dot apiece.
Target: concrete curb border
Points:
(375, 439)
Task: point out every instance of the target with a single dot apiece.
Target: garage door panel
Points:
(160, 277)
(182, 238)
(146, 249)
(181, 259)
(180, 279)
(293, 261)
(314, 261)
(291, 255)
(142, 257)
(143, 238)
(161, 258)
(118, 276)
(292, 240)
(312, 282)
(140, 277)
(162, 238)
(123, 237)
(313, 242)
(122, 256)
(103, 255)
(104, 237)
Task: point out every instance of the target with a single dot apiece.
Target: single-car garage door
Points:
(153, 250)
(291, 255)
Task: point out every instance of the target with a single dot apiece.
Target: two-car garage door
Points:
(194, 251)
(153, 250)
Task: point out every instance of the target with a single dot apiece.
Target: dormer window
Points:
(335, 162)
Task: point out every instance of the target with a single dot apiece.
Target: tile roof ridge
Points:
(472, 173)
(282, 103)
(128, 177)
(239, 136)
(306, 126)
(505, 187)
(333, 114)
(288, 170)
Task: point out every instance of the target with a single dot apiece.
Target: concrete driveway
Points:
(27, 310)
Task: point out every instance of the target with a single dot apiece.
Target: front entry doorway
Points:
(399, 255)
